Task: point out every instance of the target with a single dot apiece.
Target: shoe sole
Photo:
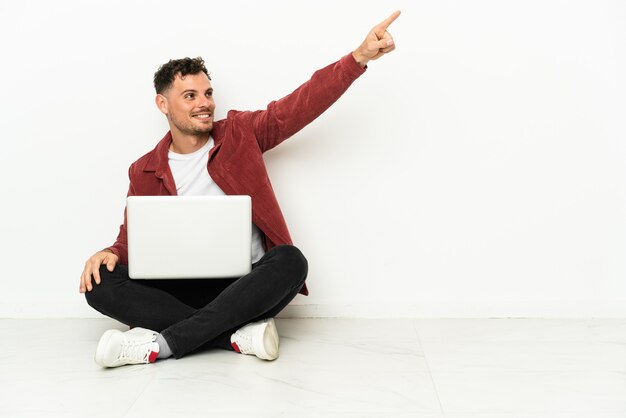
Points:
(103, 346)
(270, 341)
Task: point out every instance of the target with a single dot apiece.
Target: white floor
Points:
(508, 368)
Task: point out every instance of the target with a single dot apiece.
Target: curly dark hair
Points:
(164, 77)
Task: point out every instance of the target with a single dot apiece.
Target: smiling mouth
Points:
(202, 116)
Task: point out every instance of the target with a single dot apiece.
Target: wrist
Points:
(361, 59)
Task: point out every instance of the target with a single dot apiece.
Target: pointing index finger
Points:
(385, 23)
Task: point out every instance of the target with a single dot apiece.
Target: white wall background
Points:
(476, 171)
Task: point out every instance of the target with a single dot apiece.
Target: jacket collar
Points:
(158, 157)
(158, 161)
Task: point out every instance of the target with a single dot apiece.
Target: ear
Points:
(161, 102)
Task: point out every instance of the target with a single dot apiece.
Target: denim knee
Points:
(101, 294)
(293, 261)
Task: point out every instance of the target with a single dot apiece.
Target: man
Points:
(201, 157)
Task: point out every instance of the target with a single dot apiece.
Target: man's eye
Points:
(189, 96)
(209, 94)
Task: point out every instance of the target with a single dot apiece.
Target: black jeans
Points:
(201, 313)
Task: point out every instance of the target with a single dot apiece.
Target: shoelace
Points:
(134, 350)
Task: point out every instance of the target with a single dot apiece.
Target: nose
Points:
(207, 102)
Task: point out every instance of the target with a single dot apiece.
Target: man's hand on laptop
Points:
(92, 267)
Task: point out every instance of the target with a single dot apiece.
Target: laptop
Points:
(189, 237)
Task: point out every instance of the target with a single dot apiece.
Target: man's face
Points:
(188, 104)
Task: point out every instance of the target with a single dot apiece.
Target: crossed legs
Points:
(193, 314)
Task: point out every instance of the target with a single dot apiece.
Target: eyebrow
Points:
(210, 89)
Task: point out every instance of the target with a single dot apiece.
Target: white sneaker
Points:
(117, 348)
(257, 338)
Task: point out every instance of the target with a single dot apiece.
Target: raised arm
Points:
(286, 116)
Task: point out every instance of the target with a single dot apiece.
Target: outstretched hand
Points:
(377, 43)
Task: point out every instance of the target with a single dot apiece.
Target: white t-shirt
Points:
(192, 179)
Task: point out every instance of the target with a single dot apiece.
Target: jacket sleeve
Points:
(286, 116)
(120, 247)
